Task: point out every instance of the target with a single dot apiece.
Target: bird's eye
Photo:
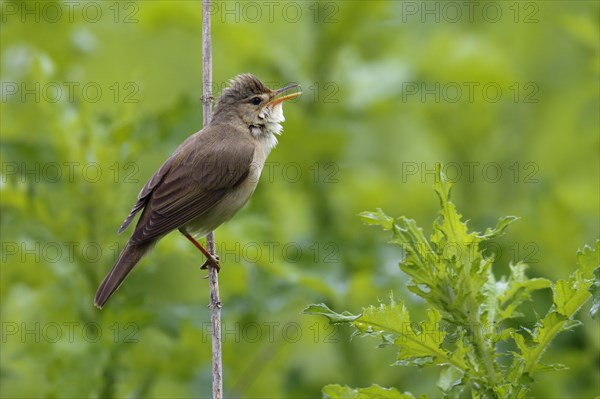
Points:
(256, 100)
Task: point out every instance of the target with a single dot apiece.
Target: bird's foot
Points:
(211, 261)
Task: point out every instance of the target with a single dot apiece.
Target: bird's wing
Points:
(194, 179)
(145, 192)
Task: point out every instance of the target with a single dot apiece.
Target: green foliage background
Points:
(355, 137)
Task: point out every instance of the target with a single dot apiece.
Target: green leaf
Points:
(374, 391)
(571, 294)
(450, 377)
(589, 263)
(595, 291)
(393, 319)
(424, 345)
(419, 344)
(453, 275)
(377, 218)
(420, 259)
(517, 289)
(567, 297)
(588, 260)
(543, 334)
(542, 368)
(497, 231)
(448, 229)
(334, 318)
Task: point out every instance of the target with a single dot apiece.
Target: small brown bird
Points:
(208, 178)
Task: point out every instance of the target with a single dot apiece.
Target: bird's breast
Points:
(233, 200)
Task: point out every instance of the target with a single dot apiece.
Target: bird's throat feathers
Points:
(266, 132)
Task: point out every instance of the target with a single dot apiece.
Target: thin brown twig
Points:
(213, 273)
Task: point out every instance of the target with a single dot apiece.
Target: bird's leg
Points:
(210, 259)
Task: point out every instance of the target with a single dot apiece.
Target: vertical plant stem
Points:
(207, 97)
(215, 318)
(213, 274)
(482, 346)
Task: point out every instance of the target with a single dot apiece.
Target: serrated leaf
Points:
(414, 361)
(335, 391)
(385, 319)
(542, 368)
(452, 273)
(409, 236)
(520, 341)
(571, 294)
(567, 297)
(503, 391)
(448, 229)
(595, 291)
(377, 218)
(449, 378)
(334, 317)
(543, 334)
(516, 290)
(419, 344)
(588, 260)
(420, 259)
(497, 231)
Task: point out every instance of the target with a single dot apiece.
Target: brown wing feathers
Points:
(146, 191)
(187, 185)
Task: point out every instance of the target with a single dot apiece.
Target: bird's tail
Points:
(131, 255)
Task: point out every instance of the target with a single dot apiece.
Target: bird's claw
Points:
(212, 261)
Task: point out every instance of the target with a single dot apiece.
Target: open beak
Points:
(276, 100)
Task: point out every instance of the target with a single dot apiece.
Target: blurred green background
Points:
(96, 95)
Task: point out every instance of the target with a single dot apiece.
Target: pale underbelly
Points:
(232, 202)
(224, 210)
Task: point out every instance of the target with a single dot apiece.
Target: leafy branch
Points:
(469, 309)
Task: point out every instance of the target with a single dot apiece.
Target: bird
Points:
(208, 178)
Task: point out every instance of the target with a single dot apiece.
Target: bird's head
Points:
(259, 108)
